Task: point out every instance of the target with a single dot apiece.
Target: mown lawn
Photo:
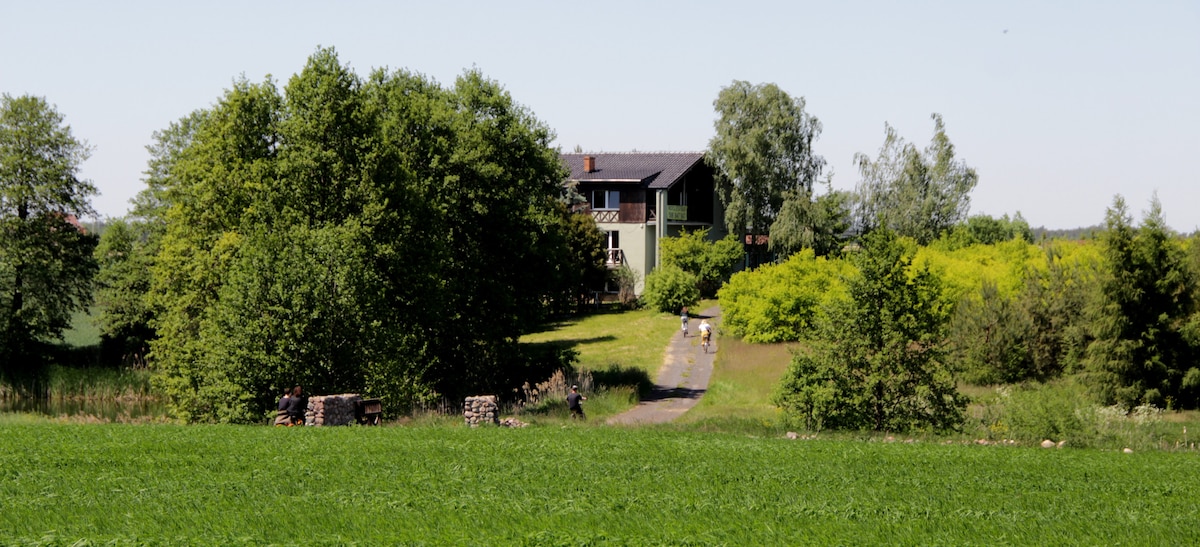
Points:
(65, 484)
(612, 338)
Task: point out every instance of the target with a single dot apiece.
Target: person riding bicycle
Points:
(705, 334)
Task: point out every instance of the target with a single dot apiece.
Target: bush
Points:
(669, 289)
(781, 302)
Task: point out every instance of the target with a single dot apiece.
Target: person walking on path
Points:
(684, 317)
(705, 334)
(573, 400)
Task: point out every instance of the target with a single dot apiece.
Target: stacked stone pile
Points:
(481, 409)
(332, 409)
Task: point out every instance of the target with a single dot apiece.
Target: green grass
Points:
(83, 332)
(739, 392)
(121, 484)
(627, 339)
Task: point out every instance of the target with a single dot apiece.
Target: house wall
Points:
(634, 239)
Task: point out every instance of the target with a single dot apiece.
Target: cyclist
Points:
(705, 334)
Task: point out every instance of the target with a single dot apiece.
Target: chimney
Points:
(589, 164)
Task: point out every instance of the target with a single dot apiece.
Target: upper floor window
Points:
(606, 199)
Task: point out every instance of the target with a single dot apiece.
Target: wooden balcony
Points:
(606, 215)
(616, 257)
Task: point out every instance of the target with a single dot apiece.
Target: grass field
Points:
(739, 392)
(121, 484)
(613, 338)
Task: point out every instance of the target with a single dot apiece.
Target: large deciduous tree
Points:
(763, 157)
(385, 235)
(46, 264)
(919, 194)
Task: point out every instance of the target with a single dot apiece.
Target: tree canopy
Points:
(46, 264)
(383, 235)
(915, 193)
(762, 153)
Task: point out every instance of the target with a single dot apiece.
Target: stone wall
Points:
(331, 409)
(481, 409)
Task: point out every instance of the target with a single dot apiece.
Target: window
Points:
(606, 199)
(614, 239)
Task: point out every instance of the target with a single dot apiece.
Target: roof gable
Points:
(652, 169)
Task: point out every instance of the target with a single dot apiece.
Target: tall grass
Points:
(739, 393)
(73, 484)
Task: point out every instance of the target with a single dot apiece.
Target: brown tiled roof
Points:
(651, 169)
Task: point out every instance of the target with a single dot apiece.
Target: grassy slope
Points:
(571, 486)
(631, 339)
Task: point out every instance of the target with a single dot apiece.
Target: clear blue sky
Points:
(1058, 105)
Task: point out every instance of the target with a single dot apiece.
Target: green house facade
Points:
(639, 198)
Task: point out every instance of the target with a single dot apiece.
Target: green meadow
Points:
(74, 484)
(723, 474)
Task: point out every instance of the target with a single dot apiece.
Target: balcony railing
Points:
(616, 257)
(606, 215)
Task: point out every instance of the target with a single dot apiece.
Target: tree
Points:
(986, 230)
(913, 193)
(712, 262)
(762, 154)
(46, 264)
(385, 235)
(878, 360)
(1140, 354)
(806, 223)
(127, 249)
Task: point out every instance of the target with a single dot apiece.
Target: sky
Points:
(1059, 106)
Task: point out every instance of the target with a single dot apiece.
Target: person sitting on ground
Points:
(297, 404)
(573, 399)
(281, 414)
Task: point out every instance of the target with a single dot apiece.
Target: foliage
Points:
(919, 194)
(806, 222)
(669, 289)
(1139, 354)
(582, 269)
(782, 302)
(964, 270)
(125, 258)
(1064, 412)
(46, 264)
(762, 154)
(383, 235)
(985, 230)
(207, 485)
(988, 337)
(626, 279)
(877, 361)
(712, 262)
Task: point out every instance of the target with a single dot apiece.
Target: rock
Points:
(792, 435)
(1048, 443)
(1128, 451)
(1060, 444)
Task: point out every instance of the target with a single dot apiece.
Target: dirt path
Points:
(682, 379)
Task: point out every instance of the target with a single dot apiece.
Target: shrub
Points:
(781, 302)
(669, 288)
